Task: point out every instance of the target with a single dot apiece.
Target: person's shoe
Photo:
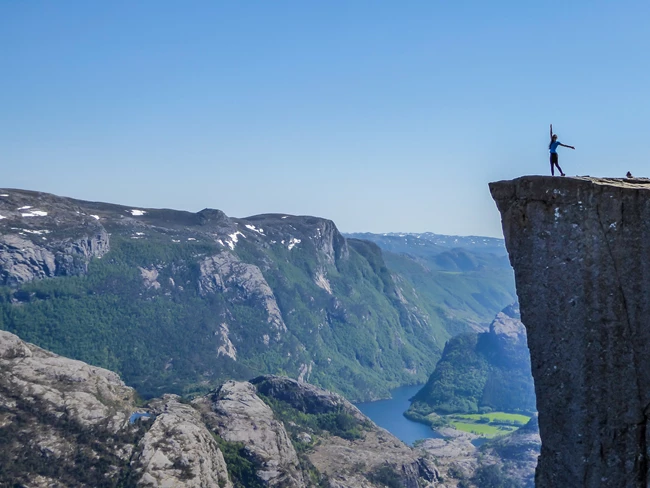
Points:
(563, 174)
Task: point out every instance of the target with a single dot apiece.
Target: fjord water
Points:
(389, 415)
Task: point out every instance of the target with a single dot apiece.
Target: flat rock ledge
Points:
(580, 248)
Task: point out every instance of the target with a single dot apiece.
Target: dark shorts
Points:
(553, 158)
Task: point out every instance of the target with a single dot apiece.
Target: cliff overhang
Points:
(580, 248)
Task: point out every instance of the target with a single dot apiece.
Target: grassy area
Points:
(484, 430)
(487, 425)
(516, 419)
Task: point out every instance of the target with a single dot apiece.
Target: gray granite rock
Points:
(179, 450)
(90, 396)
(239, 415)
(225, 272)
(580, 248)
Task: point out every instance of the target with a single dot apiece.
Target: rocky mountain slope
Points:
(178, 302)
(65, 423)
(508, 461)
(579, 248)
(481, 372)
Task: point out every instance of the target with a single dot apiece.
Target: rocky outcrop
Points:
(66, 423)
(580, 248)
(363, 462)
(237, 414)
(225, 271)
(22, 259)
(88, 395)
(62, 422)
(178, 450)
(305, 397)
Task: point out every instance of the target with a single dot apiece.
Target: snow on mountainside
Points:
(44, 235)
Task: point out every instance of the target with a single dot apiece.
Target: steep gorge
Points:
(580, 248)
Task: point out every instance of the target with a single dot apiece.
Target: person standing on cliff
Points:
(553, 145)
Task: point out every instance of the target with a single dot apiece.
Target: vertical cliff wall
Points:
(580, 248)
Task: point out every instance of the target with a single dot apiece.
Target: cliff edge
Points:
(580, 248)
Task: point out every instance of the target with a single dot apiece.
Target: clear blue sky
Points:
(383, 116)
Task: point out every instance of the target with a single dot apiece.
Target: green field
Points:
(483, 430)
(498, 416)
(487, 425)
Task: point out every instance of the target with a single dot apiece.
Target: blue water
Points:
(138, 415)
(389, 415)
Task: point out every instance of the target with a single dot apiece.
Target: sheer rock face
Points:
(225, 271)
(25, 259)
(580, 248)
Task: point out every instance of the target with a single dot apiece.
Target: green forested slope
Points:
(482, 372)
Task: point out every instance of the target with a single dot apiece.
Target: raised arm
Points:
(551, 131)
(564, 145)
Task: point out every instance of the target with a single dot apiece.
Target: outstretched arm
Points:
(564, 145)
(551, 131)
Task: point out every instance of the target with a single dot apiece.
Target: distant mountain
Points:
(428, 243)
(466, 280)
(481, 372)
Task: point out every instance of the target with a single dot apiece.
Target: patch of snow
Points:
(137, 213)
(292, 243)
(233, 239)
(252, 227)
(37, 232)
(176, 240)
(25, 207)
(612, 225)
(139, 233)
(35, 213)
(285, 217)
(96, 217)
(4, 195)
(2, 217)
(234, 236)
(557, 214)
(221, 242)
(191, 239)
